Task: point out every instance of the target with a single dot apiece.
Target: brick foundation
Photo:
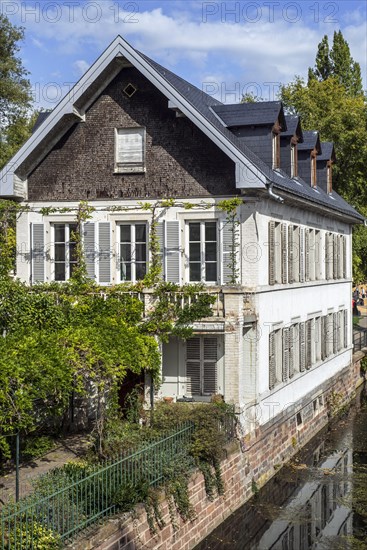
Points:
(249, 464)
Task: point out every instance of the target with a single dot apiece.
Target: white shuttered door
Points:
(104, 241)
(89, 237)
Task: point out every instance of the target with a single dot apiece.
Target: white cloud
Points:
(80, 67)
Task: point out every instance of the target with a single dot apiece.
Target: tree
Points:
(337, 62)
(333, 103)
(15, 92)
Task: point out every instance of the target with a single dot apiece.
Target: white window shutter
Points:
(290, 254)
(335, 256)
(309, 344)
(38, 253)
(228, 238)
(173, 255)
(327, 255)
(345, 328)
(284, 253)
(104, 241)
(292, 335)
(89, 241)
(271, 253)
(335, 332)
(160, 236)
(285, 365)
(307, 254)
(210, 366)
(317, 255)
(323, 338)
(193, 366)
(302, 347)
(302, 255)
(344, 257)
(272, 365)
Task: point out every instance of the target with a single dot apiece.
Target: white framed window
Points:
(130, 149)
(203, 251)
(133, 251)
(201, 365)
(63, 250)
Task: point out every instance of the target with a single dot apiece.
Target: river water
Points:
(317, 501)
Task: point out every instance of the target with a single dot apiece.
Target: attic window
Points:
(129, 150)
(276, 150)
(329, 177)
(129, 90)
(313, 170)
(294, 160)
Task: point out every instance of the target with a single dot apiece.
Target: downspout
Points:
(271, 193)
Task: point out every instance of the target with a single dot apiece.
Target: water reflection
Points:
(318, 501)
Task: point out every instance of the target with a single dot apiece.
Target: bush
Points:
(32, 536)
(37, 446)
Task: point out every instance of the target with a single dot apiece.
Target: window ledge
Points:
(131, 170)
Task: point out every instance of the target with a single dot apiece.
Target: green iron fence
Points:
(71, 500)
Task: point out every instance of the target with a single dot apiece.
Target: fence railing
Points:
(359, 339)
(71, 498)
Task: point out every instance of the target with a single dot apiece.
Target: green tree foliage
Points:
(337, 62)
(15, 92)
(332, 103)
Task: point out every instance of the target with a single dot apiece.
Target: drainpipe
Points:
(271, 193)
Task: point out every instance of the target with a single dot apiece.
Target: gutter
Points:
(273, 195)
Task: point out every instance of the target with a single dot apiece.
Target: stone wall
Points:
(249, 464)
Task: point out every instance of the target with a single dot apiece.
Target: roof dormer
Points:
(289, 140)
(325, 163)
(259, 125)
(307, 154)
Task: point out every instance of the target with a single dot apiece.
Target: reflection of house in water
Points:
(317, 511)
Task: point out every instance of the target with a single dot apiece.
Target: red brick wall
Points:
(180, 160)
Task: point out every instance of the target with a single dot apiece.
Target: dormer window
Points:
(294, 160)
(276, 150)
(329, 177)
(313, 170)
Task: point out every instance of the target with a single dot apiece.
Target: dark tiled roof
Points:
(310, 140)
(293, 127)
(327, 148)
(204, 103)
(249, 114)
(40, 119)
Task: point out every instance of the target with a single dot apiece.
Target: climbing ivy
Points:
(229, 206)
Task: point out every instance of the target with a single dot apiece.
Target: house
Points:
(131, 132)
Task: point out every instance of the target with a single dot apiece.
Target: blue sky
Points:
(225, 48)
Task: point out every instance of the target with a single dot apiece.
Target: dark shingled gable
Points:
(327, 148)
(250, 114)
(293, 127)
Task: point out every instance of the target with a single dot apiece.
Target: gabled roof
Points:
(199, 107)
(251, 114)
(311, 140)
(328, 152)
(294, 128)
(40, 119)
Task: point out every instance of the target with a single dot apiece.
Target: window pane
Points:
(125, 234)
(59, 252)
(72, 231)
(194, 231)
(59, 233)
(210, 231)
(60, 272)
(72, 252)
(211, 252)
(125, 252)
(195, 272)
(125, 272)
(211, 272)
(140, 233)
(140, 253)
(194, 252)
(140, 270)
